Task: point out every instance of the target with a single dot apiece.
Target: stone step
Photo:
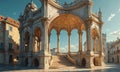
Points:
(60, 62)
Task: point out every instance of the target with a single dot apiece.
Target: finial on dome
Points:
(100, 12)
(31, 1)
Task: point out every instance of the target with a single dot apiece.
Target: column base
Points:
(89, 63)
(45, 62)
(89, 59)
(101, 61)
(30, 62)
(57, 53)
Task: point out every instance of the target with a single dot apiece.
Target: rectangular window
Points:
(1, 45)
(10, 46)
(10, 28)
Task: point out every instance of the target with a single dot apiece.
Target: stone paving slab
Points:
(107, 68)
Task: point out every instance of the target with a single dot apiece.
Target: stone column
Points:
(89, 58)
(69, 34)
(30, 50)
(100, 48)
(45, 56)
(100, 42)
(94, 45)
(58, 42)
(49, 43)
(80, 40)
(89, 39)
(21, 49)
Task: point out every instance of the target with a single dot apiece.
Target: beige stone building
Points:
(35, 31)
(9, 40)
(114, 51)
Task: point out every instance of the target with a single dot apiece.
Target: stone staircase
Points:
(61, 61)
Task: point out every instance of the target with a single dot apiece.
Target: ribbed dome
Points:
(67, 22)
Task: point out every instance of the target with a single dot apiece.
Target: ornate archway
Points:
(96, 61)
(36, 62)
(67, 22)
(26, 61)
(52, 15)
(83, 62)
(95, 37)
(37, 40)
(26, 41)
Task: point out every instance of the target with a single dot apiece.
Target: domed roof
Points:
(67, 22)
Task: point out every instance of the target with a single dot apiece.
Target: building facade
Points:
(9, 40)
(114, 51)
(36, 25)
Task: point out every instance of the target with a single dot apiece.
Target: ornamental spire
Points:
(31, 1)
(100, 14)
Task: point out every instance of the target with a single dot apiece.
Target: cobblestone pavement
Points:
(107, 68)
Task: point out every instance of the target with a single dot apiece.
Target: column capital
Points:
(58, 33)
(45, 19)
(80, 32)
(69, 33)
(89, 21)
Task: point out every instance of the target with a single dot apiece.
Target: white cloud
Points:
(116, 33)
(72, 48)
(63, 49)
(107, 29)
(118, 10)
(111, 16)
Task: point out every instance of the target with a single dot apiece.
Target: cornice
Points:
(79, 4)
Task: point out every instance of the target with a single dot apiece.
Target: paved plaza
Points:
(108, 68)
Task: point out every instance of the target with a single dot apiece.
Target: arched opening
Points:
(63, 41)
(83, 62)
(26, 61)
(112, 60)
(10, 59)
(67, 22)
(37, 40)
(53, 42)
(27, 40)
(74, 41)
(95, 37)
(36, 62)
(95, 61)
(117, 59)
(84, 44)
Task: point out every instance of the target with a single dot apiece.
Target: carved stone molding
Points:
(79, 4)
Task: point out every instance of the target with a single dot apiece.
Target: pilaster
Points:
(30, 51)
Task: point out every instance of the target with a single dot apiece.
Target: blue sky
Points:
(110, 10)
